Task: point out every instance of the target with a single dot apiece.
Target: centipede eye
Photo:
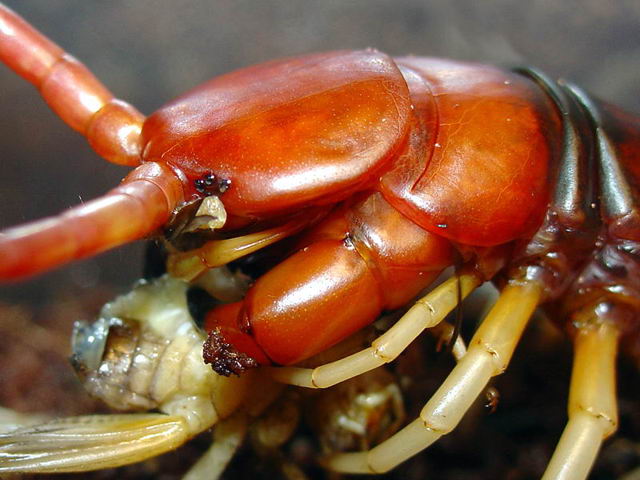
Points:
(209, 178)
(223, 185)
(208, 184)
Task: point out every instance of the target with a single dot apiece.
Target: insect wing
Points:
(90, 442)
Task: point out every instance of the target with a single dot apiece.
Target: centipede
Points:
(349, 181)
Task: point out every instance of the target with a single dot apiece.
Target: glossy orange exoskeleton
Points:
(388, 169)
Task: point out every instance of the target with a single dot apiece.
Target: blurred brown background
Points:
(148, 51)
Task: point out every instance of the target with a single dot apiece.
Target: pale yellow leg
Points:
(193, 263)
(593, 414)
(227, 438)
(489, 353)
(427, 312)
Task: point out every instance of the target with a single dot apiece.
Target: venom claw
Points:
(223, 357)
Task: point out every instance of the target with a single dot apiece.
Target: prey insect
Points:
(379, 172)
(143, 354)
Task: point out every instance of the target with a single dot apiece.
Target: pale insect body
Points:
(143, 353)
